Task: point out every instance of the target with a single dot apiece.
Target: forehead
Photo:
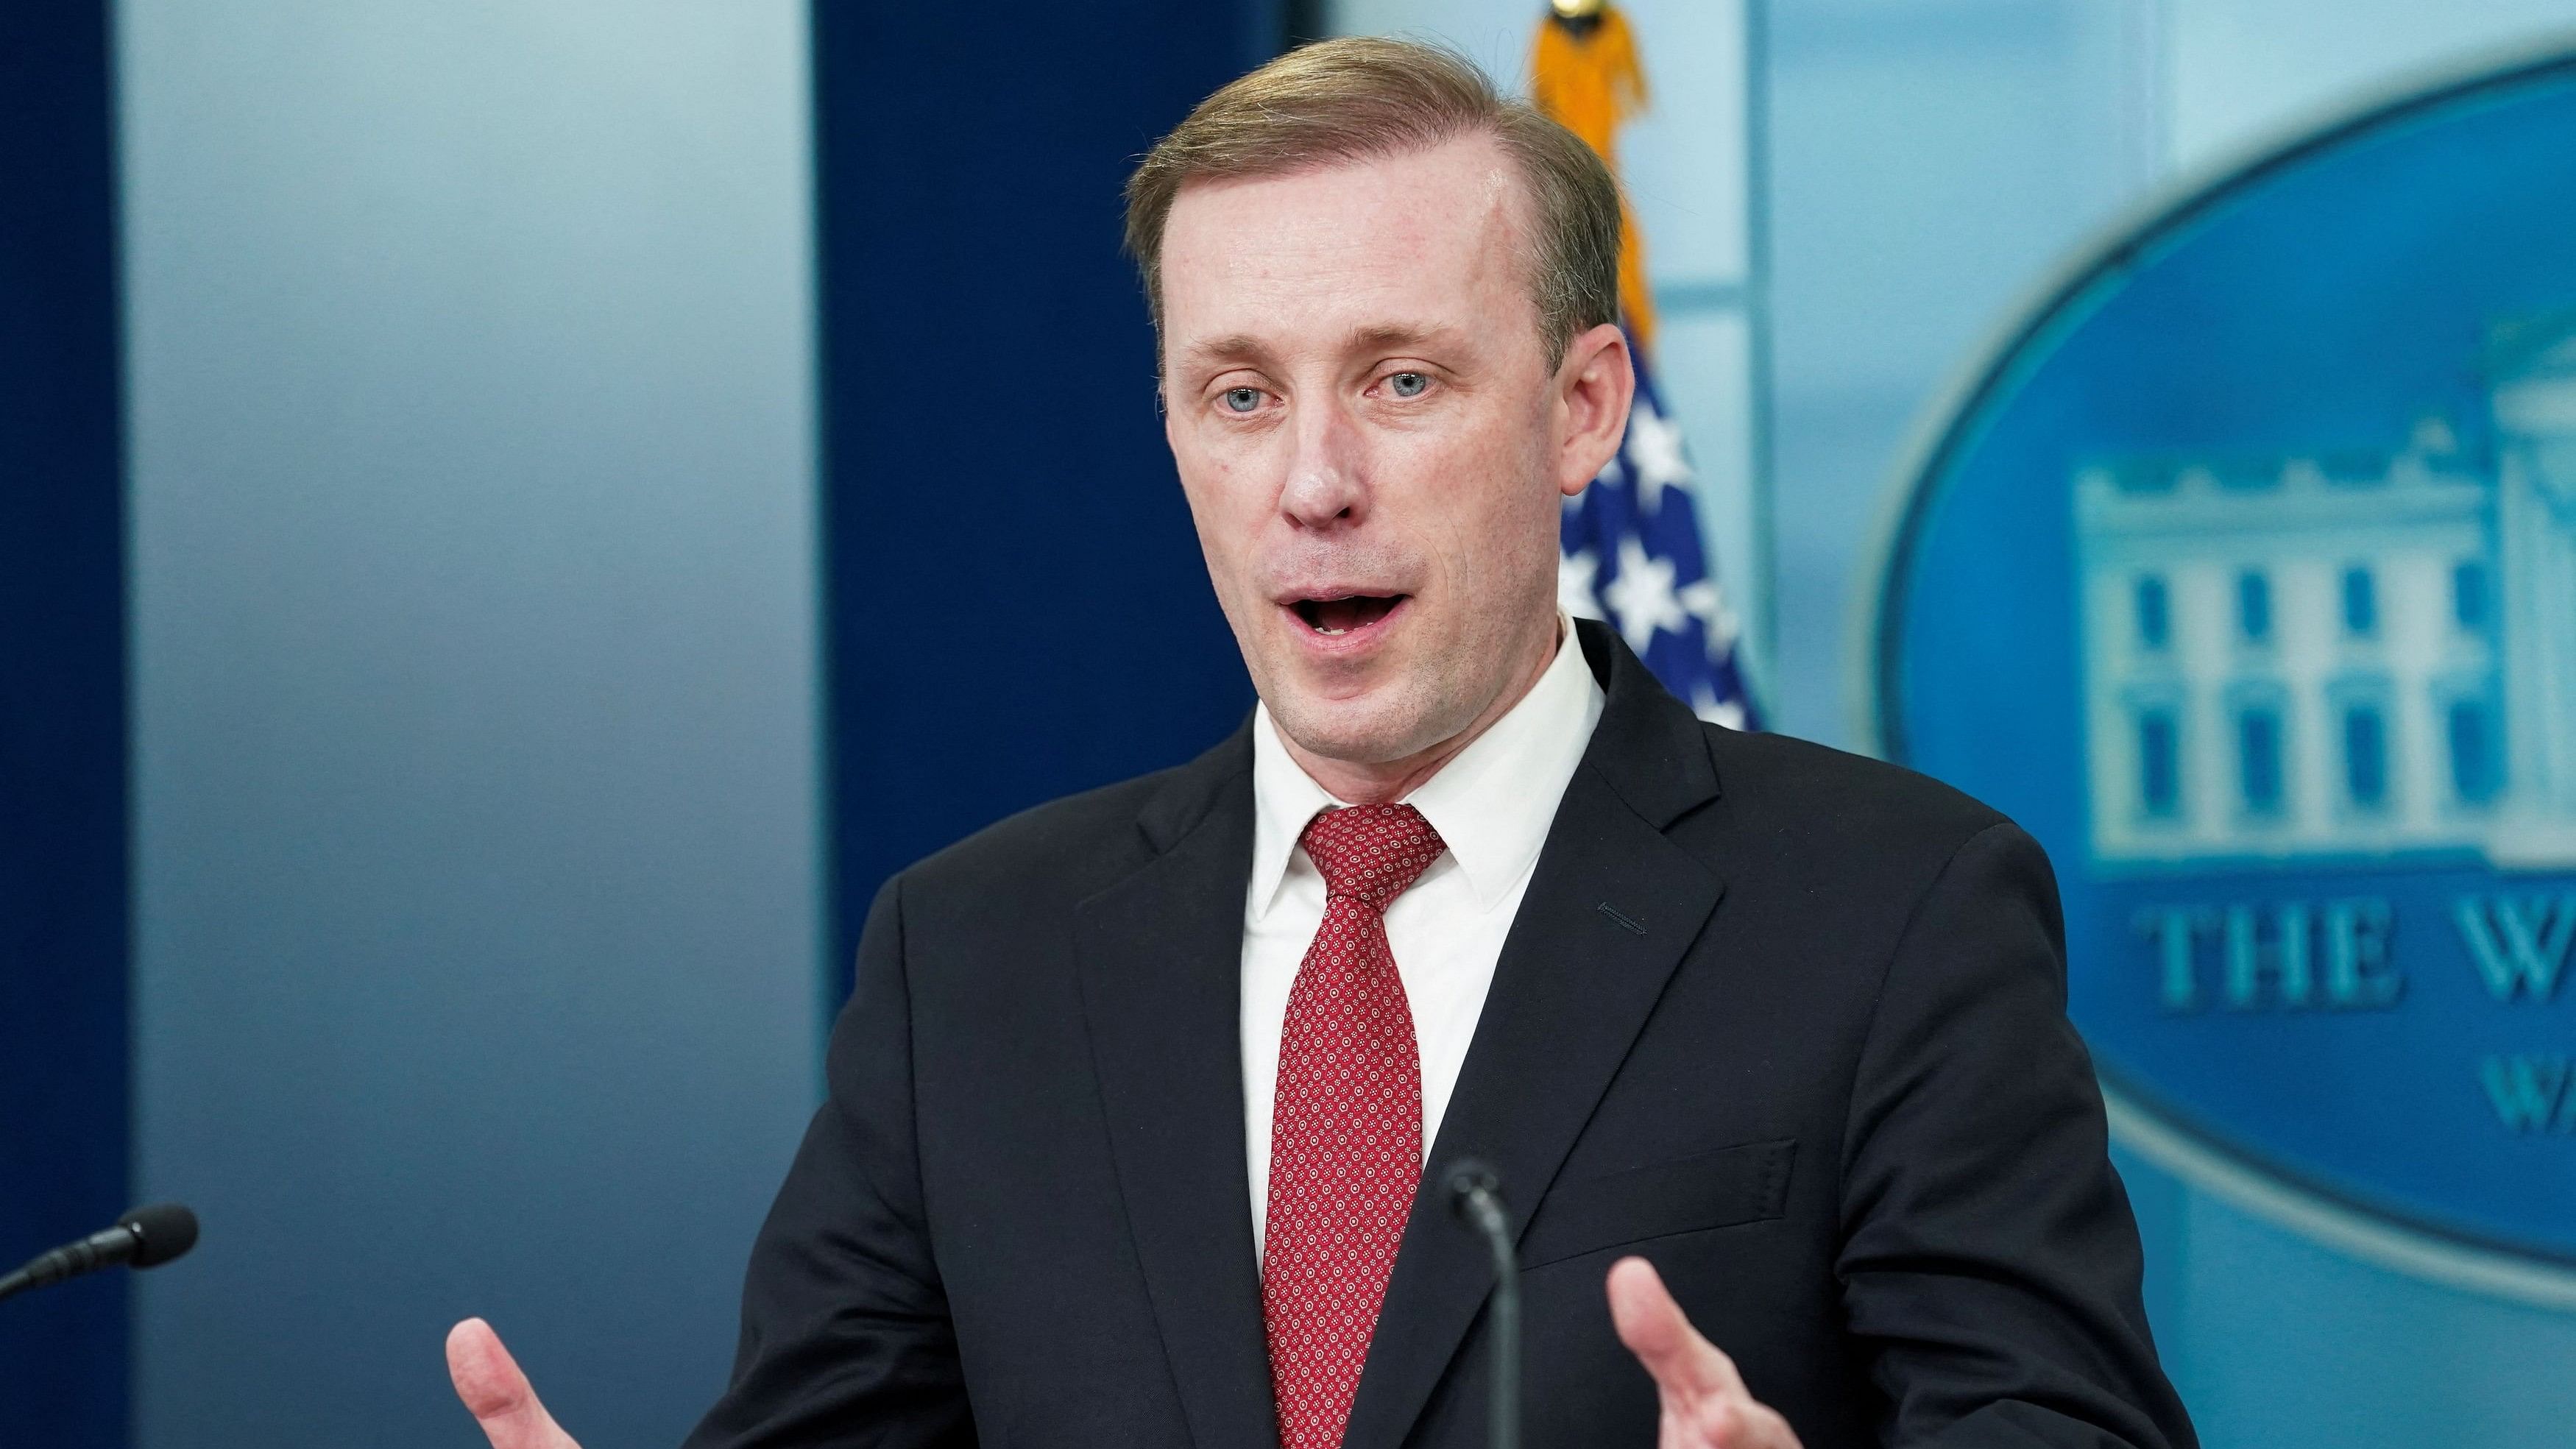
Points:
(1427, 238)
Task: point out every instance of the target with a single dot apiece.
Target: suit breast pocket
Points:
(1746, 1184)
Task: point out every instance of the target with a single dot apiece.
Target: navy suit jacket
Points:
(1787, 1022)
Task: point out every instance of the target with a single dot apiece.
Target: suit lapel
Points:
(1611, 908)
(1161, 955)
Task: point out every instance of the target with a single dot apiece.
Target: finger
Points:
(1729, 1421)
(1656, 1331)
(495, 1392)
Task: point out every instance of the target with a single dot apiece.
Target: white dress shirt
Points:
(1492, 806)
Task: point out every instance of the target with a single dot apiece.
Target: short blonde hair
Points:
(1364, 97)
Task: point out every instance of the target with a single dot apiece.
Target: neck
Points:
(1383, 782)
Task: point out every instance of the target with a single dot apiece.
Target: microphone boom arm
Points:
(1476, 1195)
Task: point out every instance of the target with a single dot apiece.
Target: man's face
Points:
(1372, 441)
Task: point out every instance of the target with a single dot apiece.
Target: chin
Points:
(1374, 729)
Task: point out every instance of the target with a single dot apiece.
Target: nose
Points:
(1327, 488)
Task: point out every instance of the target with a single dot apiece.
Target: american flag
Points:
(1631, 556)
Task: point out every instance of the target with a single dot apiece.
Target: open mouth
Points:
(1347, 614)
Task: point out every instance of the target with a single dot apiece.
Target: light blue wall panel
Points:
(1930, 161)
(2245, 71)
(2277, 1342)
(476, 758)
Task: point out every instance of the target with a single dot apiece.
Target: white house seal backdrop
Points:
(2244, 574)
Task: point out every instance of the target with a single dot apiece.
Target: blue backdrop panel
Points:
(62, 723)
(1017, 607)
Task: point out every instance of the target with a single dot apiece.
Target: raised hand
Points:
(1705, 1404)
(496, 1393)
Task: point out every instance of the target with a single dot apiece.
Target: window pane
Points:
(2360, 601)
(2473, 762)
(2159, 774)
(2365, 755)
(2469, 595)
(2254, 606)
(2155, 621)
(2258, 745)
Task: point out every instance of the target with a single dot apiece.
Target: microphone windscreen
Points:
(162, 1231)
(1468, 1177)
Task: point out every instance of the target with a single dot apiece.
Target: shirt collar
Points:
(1492, 804)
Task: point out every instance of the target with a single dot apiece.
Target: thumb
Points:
(496, 1393)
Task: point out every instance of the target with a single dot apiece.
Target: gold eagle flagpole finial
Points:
(1585, 74)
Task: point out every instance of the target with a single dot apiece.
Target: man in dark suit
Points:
(1130, 1114)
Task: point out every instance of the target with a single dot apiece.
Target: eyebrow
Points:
(1244, 347)
(1236, 347)
(1399, 334)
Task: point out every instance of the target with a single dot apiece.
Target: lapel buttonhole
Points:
(1621, 921)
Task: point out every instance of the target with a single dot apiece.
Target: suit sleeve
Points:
(1990, 1264)
(846, 1337)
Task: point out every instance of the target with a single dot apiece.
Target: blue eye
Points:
(1242, 399)
(1408, 384)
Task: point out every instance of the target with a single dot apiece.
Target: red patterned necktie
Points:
(1346, 1128)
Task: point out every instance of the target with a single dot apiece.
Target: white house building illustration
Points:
(2289, 658)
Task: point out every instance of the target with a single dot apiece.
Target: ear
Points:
(1594, 385)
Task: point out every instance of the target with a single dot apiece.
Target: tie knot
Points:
(1370, 853)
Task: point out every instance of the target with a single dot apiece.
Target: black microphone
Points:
(146, 1237)
(1476, 1196)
